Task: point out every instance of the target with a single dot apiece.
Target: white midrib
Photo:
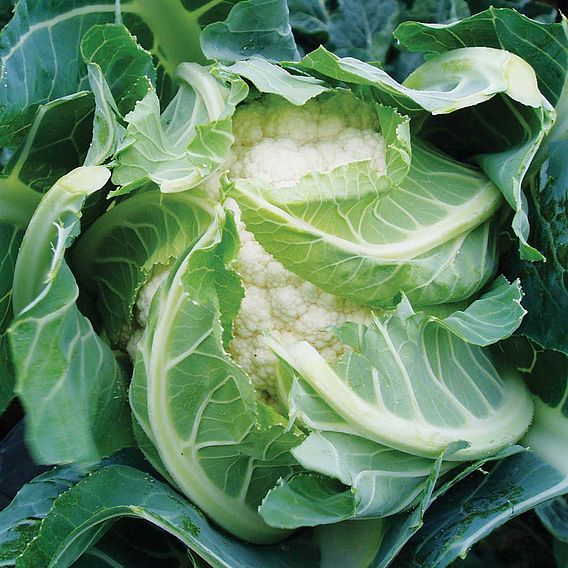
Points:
(232, 514)
(462, 218)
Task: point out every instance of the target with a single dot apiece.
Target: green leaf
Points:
(549, 433)
(554, 516)
(308, 500)
(546, 284)
(445, 83)
(456, 80)
(350, 28)
(158, 229)
(188, 142)
(543, 46)
(411, 384)
(221, 448)
(253, 27)
(478, 505)
(69, 382)
(119, 75)
(474, 507)
(400, 528)
(336, 543)
(118, 491)
(20, 520)
(380, 482)
(127, 67)
(10, 240)
(268, 78)
(56, 142)
(43, 40)
(6, 10)
(132, 544)
(438, 11)
(491, 318)
(535, 9)
(325, 228)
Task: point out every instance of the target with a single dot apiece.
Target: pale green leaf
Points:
(221, 448)
(67, 378)
(354, 235)
(413, 385)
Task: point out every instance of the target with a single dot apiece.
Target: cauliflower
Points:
(291, 309)
(279, 143)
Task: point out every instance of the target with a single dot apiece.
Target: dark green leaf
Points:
(478, 504)
(546, 283)
(134, 544)
(19, 522)
(544, 46)
(361, 29)
(554, 516)
(119, 491)
(253, 27)
(43, 42)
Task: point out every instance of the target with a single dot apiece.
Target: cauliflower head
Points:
(279, 143)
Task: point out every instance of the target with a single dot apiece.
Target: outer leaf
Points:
(491, 318)
(119, 75)
(68, 379)
(461, 78)
(549, 380)
(400, 528)
(20, 521)
(132, 544)
(127, 66)
(479, 504)
(10, 239)
(344, 230)
(119, 491)
(554, 516)
(56, 142)
(22, 469)
(223, 450)
(308, 500)
(269, 78)
(505, 162)
(546, 284)
(361, 29)
(543, 46)
(14, 216)
(413, 385)
(43, 39)
(336, 543)
(253, 27)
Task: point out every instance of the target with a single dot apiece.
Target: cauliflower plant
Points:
(279, 143)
